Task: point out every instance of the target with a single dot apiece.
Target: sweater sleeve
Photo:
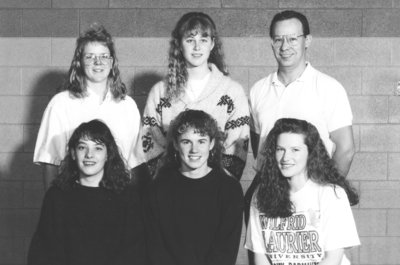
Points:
(226, 245)
(237, 132)
(153, 135)
(46, 247)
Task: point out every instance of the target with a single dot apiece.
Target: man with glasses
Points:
(297, 90)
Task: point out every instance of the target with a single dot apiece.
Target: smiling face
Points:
(196, 49)
(90, 157)
(97, 69)
(291, 56)
(193, 149)
(291, 155)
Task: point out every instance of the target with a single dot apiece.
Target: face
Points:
(194, 149)
(90, 157)
(97, 62)
(291, 56)
(291, 154)
(196, 50)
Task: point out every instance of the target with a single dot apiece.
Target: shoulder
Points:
(229, 184)
(61, 100)
(261, 84)
(325, 81)
(331, 193)
(159, 89)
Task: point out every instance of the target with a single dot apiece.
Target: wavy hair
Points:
(273, 197)
(116, 175)
(203, 124)
(76, 82)
(191, 24)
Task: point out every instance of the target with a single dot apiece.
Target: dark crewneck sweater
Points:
(194, 221)
(88, 226)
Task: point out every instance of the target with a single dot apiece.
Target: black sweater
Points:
(194, 221)
(88, 226)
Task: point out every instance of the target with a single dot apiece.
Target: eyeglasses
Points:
(291, 40)
(91, 58)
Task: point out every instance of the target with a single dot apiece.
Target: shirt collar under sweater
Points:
(213, 83)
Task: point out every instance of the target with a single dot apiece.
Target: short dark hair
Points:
(288, 14)
(204, 124)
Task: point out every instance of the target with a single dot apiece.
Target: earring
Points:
(211, 155)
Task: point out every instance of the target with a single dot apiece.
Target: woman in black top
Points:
(91, 213)
(195, 208)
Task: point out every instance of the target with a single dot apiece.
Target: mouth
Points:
(286, 166)
(89, 163)
(197, 55)
(194, 157)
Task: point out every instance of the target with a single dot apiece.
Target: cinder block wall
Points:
(355, 41)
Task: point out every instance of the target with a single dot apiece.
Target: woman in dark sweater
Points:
(90, 215)
(195, 208)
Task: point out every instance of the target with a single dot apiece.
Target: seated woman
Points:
(91, 213)
(300, 213)
(195, 209)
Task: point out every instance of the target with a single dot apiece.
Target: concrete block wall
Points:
(355, 41)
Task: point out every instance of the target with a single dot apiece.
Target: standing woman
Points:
(194, 212)
(197, 79)
(301, 212)
(94, 90)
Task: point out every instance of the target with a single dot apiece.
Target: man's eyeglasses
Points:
(291, 40)
(91, 58)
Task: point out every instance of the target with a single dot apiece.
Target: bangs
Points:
(187, 126)
(194, 27)
(91, 136)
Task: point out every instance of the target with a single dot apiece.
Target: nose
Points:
(193, 148)
(88, 153)
(286, 156)
(97, 60)
(285, 44)
(196, 45)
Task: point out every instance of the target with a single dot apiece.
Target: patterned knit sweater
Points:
(222, 98)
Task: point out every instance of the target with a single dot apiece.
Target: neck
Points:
(90, 181)
(98, 89)
(287, 75)
(198, 72)
(196, 173)
(297, 182)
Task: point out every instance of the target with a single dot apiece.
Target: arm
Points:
(226, 244)
(49, 173)
(132, 247)
(46, 247)
(255, 140)
(345, 150)
(261, 259)
(153, 134)
(237, 132)
(333, 257)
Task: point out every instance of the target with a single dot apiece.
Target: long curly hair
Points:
(190, 24)
(273, 198)
(116, 175)
(203, 124)
(76, 82)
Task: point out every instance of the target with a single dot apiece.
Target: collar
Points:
(302, 78)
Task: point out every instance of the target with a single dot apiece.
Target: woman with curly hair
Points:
(91, 213)
(197, 79)
(300, 213)
(94, 90)
(194, 211)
